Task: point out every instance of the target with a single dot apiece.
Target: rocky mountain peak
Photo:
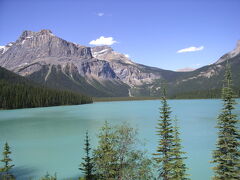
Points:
(231, 54)
(101, 48)
(237, 49)
(27, 34)
(34, 46)
(46, 31)
(108, 54)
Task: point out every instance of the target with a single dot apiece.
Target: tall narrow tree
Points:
(87, 166)
(179, 167)
(6, 160)
(164, 155)
(227, 154)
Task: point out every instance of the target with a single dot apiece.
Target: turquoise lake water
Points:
(51, 139)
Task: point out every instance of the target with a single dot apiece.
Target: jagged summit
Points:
(99, 71)
(47, 58)
(231, 54)
(108, 54)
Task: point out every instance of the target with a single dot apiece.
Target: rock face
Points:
(45, 54)
(97, 71)
(231, 54)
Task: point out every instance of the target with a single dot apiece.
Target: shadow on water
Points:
(28, 173)
(24, 173)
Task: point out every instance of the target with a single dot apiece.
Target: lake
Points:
(51, 139)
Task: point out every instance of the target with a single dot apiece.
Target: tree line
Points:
(23, 95)
(117, 157)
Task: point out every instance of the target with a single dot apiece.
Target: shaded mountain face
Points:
(98, 71)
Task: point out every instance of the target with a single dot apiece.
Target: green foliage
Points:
(15, 96)
(87, 166)
(137, 167)
(19, 92)
(164, 155)
(5, 171)
(227, 154)
(132, 163)
(179, 167)
(105, 156)
(116, 156)
(169, 154)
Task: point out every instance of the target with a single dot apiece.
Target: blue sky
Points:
(151, 32)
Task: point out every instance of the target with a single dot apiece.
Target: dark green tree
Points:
(179, 167)
(226, 156)
(164, 156)
(87, 166)
(7, 167)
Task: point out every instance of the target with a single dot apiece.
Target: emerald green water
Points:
(51, 139)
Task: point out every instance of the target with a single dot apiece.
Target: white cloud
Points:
(127, 55)
(103, 41)
(190, 49)
(100, 14)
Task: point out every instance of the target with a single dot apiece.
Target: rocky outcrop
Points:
(231, 54)
(43, 53)
(35, 49)
(97, 71)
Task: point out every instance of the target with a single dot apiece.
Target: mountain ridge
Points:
(97, 71)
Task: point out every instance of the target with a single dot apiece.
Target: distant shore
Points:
(106, 99)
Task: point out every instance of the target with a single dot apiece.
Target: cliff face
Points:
(44, 53)
(230, 54)
(97, 71)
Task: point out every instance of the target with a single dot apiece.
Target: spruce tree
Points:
(179, 167)
(164, 155)
(226, 156)
(6, 160)
(87, 166)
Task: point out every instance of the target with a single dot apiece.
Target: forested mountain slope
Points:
(18, 92)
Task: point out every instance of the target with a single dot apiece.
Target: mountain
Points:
(231, 54)
(210, 77)
(19, 92)
(54, 62)
(100, 71)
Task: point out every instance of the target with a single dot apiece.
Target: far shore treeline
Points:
(14, 96)
(18, 92)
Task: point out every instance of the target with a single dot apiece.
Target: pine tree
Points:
(87, 166)
(179, 167)
(6, 160)
(227, 154)
(105, 156)
(164, 155)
